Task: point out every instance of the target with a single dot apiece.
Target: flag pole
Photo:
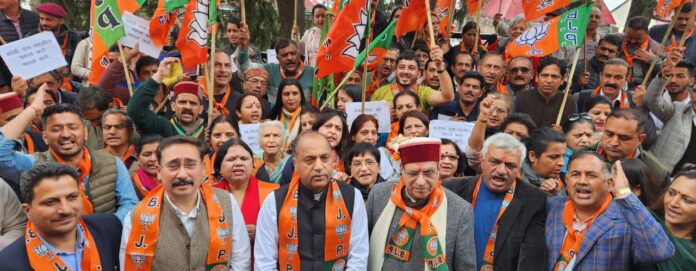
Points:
(371, 27)
(294, 23)
(664, 40)
(478, 26)
(450, 17)
(567, 89)
(125, 68)
(343, 82)
(210, 74)
(243, 9)
(430, 24)
(500, 6)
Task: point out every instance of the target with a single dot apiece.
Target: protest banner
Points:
(378, 109)
(457, 131)
(250, 135)
(33, 55)
(138, 31)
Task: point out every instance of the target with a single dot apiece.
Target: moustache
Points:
(187, 111)
(182, 182)
(611, 86)
(499, 175)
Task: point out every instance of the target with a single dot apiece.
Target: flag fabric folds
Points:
(377, 49)
(443, 12)
(663, 7)
(193, 37)
(130, 5)
(412, 17)
(106, 28)
(170, 5)
(340, 48)
(161, 24)
(473, 5)
(537, 8)
(567, 30)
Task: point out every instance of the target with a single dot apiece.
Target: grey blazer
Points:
(460, 250)
(678, 119)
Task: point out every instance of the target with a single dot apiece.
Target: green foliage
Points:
(262, 19)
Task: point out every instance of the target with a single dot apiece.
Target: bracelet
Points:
(624, 191)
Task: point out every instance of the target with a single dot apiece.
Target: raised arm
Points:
(446, 93)
(15, 128)
(138, 108)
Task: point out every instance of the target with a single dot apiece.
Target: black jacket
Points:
(105, 229)
(520, 244)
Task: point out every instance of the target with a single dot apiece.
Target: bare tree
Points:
(286, 8)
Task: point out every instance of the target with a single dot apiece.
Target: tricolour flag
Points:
(412, 17)
(106, 28)
(567, 30)
(536, 8)
(341, 46)
(663, 7)
(193, 37)
(443, 12)
(377, 48)
(161, 24)
(130, 5)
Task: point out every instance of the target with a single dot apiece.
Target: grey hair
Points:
(273, 123)
(112, 111)
(517, 19)
(505, 142)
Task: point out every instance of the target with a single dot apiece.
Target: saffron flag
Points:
(443, 12)
(130, 5)
(567, 30)
(161, 24)
(377, 48)
(663, 7)
(536, 8)
(473, 6)
(341, 46)
(413, 17)
(193, 37)
(106, 28)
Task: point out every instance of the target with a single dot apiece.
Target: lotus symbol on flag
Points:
(532, 36)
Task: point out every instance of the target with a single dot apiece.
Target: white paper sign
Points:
(457, 131)
(33, 55)
(443, 117)
(138, 31)
(378, 109)
(271, 56)
(250, 135)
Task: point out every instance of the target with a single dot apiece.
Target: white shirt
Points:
(266, 243)
(240, 259)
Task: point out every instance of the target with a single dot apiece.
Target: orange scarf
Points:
(573, 240)
(601, 152)
(293, 119)
(222, 105)
(85, 166)
(399, 246)
(41, 258)
(337, 242)
(624, 97)
(673, 41)
(396, 88)
(629, 57)
(129, 152)
(500, 87)
(142, 241)
(209, 162)
(489, 251)
(298, 74)
(30, 143)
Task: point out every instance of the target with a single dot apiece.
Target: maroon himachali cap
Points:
(420, 149)
(52, 9)
(9, 101)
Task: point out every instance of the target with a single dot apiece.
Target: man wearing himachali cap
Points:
(400, 214)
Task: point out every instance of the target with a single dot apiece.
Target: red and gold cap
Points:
(420, 149)
(186, 87)
(9, 101)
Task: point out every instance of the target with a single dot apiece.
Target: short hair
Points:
(540, 139)
(611, 39)
(33, 90)
(181, 140)
(506, 142)
(606, 167)
(298, 139)
(359, 121)
(407, 55)
(517, 19)
(493, 54)
(324, 117)
(147, 139)
(413, 114)
(273, 123)
(520, 118)
(683, 64)
(468, 26)
(222, 152)
(629, 114)
(638, 23)
(617, 62)
(505, 98)
(112, 111)
(235, 21)
(406, 93)
(283, 43)
(317, 6)
(529, 60)
(474, 75)
(361, 149)
(144, 62)
(33, 176)
(687, 7)
(597, 99)
(94, 97)
(58, 109)
(570, 125)
(550, 61)
(420, 45)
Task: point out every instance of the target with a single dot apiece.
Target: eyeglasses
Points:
(523, 70)
(450, 157)
(576, 116)
(427, 174)
(368, 164)
(257, 82)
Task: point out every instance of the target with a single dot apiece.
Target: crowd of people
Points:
(95, 177)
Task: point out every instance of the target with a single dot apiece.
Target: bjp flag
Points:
(536, 8)
(193, 37)
(341, 46)
(663, 7)
(412, 17)
(161, 24)
(130, 5)
(473, 6)
(106, 28)
(443, 12)
(567, 30)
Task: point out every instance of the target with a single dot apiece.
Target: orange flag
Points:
(193, 37)
(663, 7)
(106, 28)
(341, 46)
(442, 9)
(567, 30)
(412, 17)
(161, 24)
(536, 8)
(130, 5)
(472, 6)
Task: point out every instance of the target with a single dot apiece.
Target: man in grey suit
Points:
(416, 224)
(676, 145)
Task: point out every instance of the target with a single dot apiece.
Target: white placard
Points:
(457, 131)
(271, 56)
(33, 55)
(138, 31)
(443, 117)
(378, 109)
(250, 135)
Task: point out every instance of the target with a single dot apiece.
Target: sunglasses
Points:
(576, 116)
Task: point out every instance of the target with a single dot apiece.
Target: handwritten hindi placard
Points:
(250, 135)
(138, 31)
(457, 131)
(33, 55)
(378, 109)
